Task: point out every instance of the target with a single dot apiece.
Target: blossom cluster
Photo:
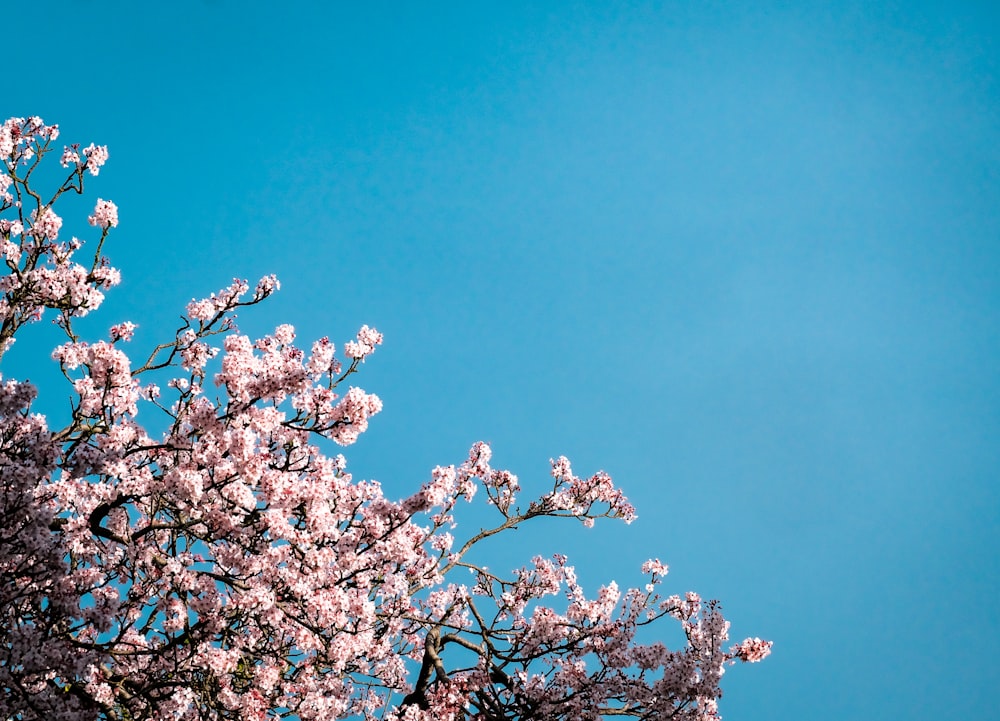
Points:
(42, 273)
(579, 496)
(219, 562)
(105, 214)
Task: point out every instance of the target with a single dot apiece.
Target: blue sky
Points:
(746, 259)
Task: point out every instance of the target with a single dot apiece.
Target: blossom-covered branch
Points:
(217, 560)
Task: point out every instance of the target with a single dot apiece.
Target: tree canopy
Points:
(221, 562)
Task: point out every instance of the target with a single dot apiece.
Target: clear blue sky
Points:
(746, 260)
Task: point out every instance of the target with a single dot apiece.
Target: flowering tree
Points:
(225, 566)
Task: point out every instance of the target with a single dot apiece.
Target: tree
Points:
(226, 566)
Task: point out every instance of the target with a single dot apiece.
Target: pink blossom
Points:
(266, 286)
(368, 338)
(123, 331)
(105, 214)
(45, 224)
(6, 140)
(654, 566)
(11, 228)
(202, 310)
(70, 156)
(97, 156)
(752, 650)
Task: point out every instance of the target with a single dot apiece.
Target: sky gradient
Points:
(747, 260)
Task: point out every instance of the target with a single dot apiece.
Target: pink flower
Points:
(11, 228)
(97, 156)
(368, 338)
(105, 214)
(123, 331)
(70, 156)
(752, 650)
(654, 566)
(266, 286)
(45, 224)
